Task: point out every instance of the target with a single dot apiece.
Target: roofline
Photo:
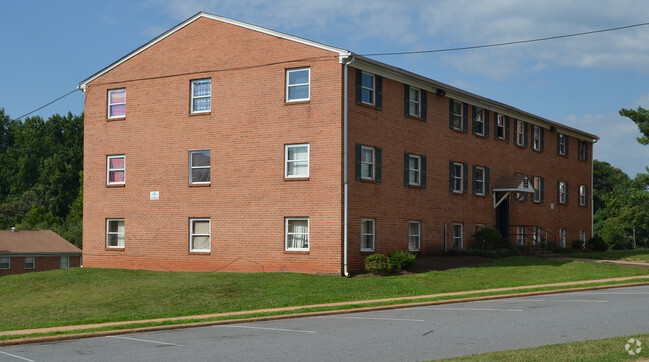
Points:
(17, 253)
(342, 53)
(429, 84)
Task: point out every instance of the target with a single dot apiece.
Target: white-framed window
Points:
(582, 150)
(500, 127)
(296, 160)
(414, 170)
(457, 122)
(115, 233)
(367, 234)
(457, 177)
(5, 262)
(582, 237)
(199, 166)
(368, 89)
(536, 138)
(538, 235)
(479, 179)
(479, 121)
(115, 170)
(561, 144)
(30, 262)
(414, 235)
(297, 233)
(458, 235)
(538, 189)
(117, 103)
(563, 192)
(562, 237)
(368, 164)
(415, 102)
(200, 234)
(520, 235)
(201, 95)
(520, 133)
(583, 194)
(65, 262)
(298, 84)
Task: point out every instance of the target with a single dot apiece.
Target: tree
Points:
(641, 118)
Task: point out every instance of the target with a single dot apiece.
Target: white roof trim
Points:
(341, 52)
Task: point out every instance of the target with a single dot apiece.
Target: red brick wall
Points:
(41, 263)
(246, 131)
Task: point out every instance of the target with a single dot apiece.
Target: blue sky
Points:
(48, 47)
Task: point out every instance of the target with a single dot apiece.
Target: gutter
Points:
(347, 62)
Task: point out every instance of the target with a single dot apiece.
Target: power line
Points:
(510, 43)
(39, 108)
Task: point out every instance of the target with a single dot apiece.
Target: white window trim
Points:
(372, 234)
(115, 104)
(460, 237)
(562, 192)
(191, 167)
(520, 136)
(109, 170)
(372, 164)
(457, 177)
(371, 89)
(581, 150)
(536, 142)
(562, 144)
(520, 238)
(582, 195)
(8, 262)
(33, 262)
(562, 237)
(289, 86)
(537, 191)
(286, 233)
(287, 161)
(65, 262)
(582, 236)
(192, 97)
(500, 124)
(481, 181)
(418, 235)
(192, 235)
(459, 116)
(415, 102)
(417, 181)
(115, 233)
(481, 120)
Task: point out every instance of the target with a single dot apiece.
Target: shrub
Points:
(560, 250)
(377, 264)
(577, 245)
(596, 243)
(494, 254)
(489, 238)
(400, 259)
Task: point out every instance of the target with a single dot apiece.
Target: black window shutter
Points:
(507, 128)
(406, 168)
(450, 112)
(475, 180)
(358, 161)
(486, 123)
(567, 194)
(379, 163)
(474, 124)
(542, 138)
(558, 192)
(451, 176)
(559, 143)
(424, 106)
(567, 144)
(542, 189)
(486, 181)
(525, 133)
(586, 150)
(586, 194)
(423, 171)
(379, 92)
(406, 100)
(495, 125)
(359, 86)
(466, 178)
(465, 115)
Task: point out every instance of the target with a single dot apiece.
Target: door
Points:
(502, 217)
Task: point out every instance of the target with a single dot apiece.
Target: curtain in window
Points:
(201, 166)
(116, 166)
(201, 234)
(202, 91)
(298, 234)
(117, 102)
(298, 161)
(116, 233)
(413, 236)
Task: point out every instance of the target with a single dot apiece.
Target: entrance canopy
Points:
(505, 185)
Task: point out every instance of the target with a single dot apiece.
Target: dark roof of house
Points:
(35, 242)
(513, 183)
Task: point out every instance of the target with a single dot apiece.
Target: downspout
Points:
(345, 187)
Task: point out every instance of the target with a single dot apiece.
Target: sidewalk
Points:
(397, 302)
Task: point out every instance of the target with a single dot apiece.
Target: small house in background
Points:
(26, 251)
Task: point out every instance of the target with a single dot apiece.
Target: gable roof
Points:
(35, 242)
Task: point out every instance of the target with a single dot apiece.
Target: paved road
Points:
(406, 334)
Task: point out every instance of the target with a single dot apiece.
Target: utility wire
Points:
(509, 43)
(39, 108)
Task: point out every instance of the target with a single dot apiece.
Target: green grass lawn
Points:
(87, 295)
(627, 255)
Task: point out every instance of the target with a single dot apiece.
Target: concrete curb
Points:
(405, 302)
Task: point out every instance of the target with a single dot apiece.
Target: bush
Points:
(489, 238)
(400, 259)
(596, 243)
(494, 254)
(577, 245)
(377, 264)
(560, 250)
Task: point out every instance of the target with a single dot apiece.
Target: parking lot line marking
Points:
(477, 309)
(380, 319)
(268, 329)
(13, 355)
(145, 340)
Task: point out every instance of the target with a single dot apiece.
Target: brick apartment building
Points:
(223, 146)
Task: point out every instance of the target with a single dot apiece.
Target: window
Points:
(458, 115)
(457, 235)
(583, 195)
(562, 237)
(298, 84)
(582, 237)
(296, 159)
(201, 95)
(199, 167)
(563, 192)
(5, 262)
(367, 235)
(116, 170)
(199, 235)
(480, 180)
(297, 233)
(367, 89)
(538, 236)
(115, 233)
(367, 163)
(458, 177)
(117, 103)
(65, 262)
(479, 121)
(500, 127)
(414, 101)
(562, 144)
(414, 170)
(29, 262)
(538, 189)
(583, 150)
(520, 133)
(537, 141)
(520, 236)
(414, 235)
